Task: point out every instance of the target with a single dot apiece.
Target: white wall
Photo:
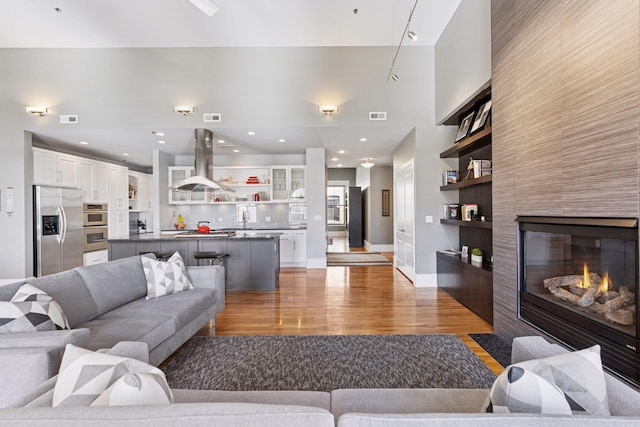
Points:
(463, 57)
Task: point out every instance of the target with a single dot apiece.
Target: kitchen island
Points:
(253, 262)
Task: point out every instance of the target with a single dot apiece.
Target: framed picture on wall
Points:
(481, 117)
(386, 203)
(465, 125)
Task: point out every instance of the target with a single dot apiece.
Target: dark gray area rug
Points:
(325, 363)
(495, 346)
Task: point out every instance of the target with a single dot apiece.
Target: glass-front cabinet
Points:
(288, 182)
(178, 174)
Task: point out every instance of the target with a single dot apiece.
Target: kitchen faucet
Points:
(245, 218)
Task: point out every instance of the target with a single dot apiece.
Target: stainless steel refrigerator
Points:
(58, 235)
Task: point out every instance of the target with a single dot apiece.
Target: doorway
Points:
(404, 221)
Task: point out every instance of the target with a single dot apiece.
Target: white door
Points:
(404, 221)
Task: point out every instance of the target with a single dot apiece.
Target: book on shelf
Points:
(449, 177)
(481, 168)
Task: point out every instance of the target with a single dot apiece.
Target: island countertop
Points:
(249, 234)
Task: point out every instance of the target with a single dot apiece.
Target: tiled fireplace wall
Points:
(566, 109)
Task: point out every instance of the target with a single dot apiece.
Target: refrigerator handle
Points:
(63, 232)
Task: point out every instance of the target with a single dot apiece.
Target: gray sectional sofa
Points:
(344, 408)
(106, 304)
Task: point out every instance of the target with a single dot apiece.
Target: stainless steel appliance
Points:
(58, 229)
(94, 214)
(95, 230)
(95, 238)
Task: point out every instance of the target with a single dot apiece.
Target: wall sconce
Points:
(328, 109)
(37, 111)
(185, 110)
(368, 163)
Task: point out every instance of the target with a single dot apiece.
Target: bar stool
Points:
(214, 258)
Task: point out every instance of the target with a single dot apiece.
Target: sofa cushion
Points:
(69, 290)
(136, 389)
(114, 283)
(28, 316)
(183, 307)
(149, 329)
(518, 390)
(165, 277)
(85, 375)
(29, 292)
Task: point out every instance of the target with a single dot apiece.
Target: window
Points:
(335, 205)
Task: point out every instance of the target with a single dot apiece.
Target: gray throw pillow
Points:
(165, 278)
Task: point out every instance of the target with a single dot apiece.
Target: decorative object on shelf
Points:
(454, 211)
(465, 252)
(445, 211)
(469, 169)
(481, 117)
(463, 130)
(386, 202)
(476, 256)
(469, 211)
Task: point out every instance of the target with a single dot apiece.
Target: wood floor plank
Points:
(348, 300)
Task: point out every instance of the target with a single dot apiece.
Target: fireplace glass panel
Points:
(587, 274)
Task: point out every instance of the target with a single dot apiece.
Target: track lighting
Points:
(407, 33)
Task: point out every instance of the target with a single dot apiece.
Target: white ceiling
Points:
(238, 23)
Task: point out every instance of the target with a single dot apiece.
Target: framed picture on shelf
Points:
(463, 130)
(481, 117)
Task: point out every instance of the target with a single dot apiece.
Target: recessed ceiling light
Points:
(335, 159)
(84, 142)
(160, 142)
(221, 141)
(125, 154)
(341, 152)
(282, 140)
(251, 132)
(236, 151)
(157, 133)
(363, 139)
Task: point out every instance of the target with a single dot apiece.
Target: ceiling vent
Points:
(379, 115)
(212, 117)
(66, 119)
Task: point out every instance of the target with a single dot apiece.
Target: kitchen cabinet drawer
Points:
(95, 257)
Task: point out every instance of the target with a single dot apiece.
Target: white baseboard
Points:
(378, 248)
(426, 281)
(317, 262)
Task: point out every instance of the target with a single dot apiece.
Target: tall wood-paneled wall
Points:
(566, 108)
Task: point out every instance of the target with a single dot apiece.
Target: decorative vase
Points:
(476, 259)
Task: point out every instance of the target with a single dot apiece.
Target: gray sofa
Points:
(105, 304)
(346, 408)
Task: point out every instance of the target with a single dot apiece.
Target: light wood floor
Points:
(348, 300)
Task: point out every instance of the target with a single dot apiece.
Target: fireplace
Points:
(578, 282)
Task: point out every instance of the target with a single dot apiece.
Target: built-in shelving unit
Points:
(471, 284)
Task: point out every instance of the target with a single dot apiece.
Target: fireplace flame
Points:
(604, 286)
(585, 282)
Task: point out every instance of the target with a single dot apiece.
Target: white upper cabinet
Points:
(93, 179)
(118, 188)
(52, 168)
(288, 182)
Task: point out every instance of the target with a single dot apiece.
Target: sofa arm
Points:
(209, 276)
(534, 347)
(23, 369)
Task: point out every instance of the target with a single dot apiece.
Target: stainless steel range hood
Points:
(203, 178)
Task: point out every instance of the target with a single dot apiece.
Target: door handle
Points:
(63, 231)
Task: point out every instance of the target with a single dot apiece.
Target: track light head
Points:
(395, 77)
(412, 35)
